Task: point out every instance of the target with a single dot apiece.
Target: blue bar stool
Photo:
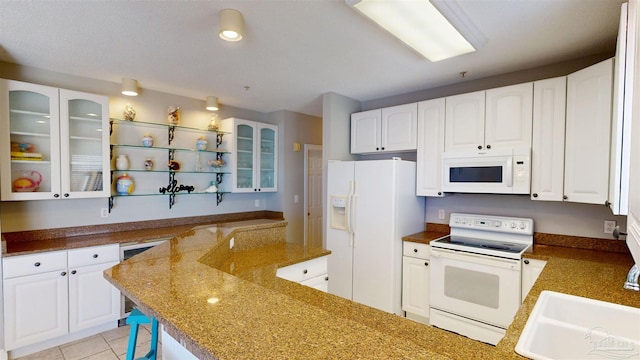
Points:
(138, 318)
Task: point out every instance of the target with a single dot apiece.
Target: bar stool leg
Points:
(153, 352)
(133, 338)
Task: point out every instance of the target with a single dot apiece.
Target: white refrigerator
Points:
(371, 205)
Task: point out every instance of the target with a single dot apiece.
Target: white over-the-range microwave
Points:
(499, 171)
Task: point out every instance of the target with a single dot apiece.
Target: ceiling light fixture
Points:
(129, 87)
(212, 103)
(418, 24)
(231, 25)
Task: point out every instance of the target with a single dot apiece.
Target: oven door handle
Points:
(485, 260)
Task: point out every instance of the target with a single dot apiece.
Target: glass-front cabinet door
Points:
(30, 148)
(268, 159)
(84, 142)
(51, 148)
(245, 142)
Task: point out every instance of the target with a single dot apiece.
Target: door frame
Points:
(307, 149)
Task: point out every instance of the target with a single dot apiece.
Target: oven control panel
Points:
(492, 223)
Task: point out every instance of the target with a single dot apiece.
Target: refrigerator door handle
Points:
(348, 211)
(352, 214)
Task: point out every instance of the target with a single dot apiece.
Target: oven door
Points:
(478, 287)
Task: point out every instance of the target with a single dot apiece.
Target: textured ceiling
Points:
(293, 50)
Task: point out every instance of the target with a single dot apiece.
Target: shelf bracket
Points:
(218, 198)
(110, 127)
(172, 154)
(172, 129)
(110, 152)
(218, 139)
(111, 178)
(219, 178)
(110, 203)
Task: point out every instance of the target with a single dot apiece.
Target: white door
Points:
(313, 195)
(415, 286)
(30, 129)
(373, 263)
(266, 150)
(633, 219)
(92, 299)
(244, 133)
(464, 122)
(508, 117)
(547, 152)
(35, 308)
(399, 128)
(430, 147)
(340, 179)
(588, 134)
(365, 131)
(84, 143)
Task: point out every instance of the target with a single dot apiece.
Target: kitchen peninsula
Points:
(223, 304)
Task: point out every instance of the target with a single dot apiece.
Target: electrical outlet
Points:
(256, 203)
(295, 199)
(441, 214)
(609, 225)
(104, 212)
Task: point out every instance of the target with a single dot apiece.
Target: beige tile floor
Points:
(109, 345)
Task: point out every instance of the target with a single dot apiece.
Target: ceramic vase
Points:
(129, 112)
(124, 185)
(173, 115)
(122, 162)
(147, 140)
(201, 144)
(148, 164)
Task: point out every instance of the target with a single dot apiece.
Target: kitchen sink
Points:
(564, 326)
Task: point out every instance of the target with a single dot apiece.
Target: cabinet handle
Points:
(56, 195)
(37, 264)
(382, 148)
(426, 264)
(305, 271)
(259, 189)
(479, 147)
(488, 146)
(415, 250)
(326, 278)
(64, 273)
(526, 262)
(66, 195)
(439, 193)
(535, 195)
(255, 189)
(565, 197)
(73, 272)
(95, 256)
(607, 203)
(377, 149)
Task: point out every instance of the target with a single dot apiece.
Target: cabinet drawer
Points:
(34, 264)
(94, 255)
(319, 282)
(304, 270)
(416, 250)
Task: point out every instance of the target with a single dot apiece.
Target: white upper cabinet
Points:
(254, 155)
(54, 143)
(547, 153)
(389, 129)
(494, 119)
(623, 91)
(464, 122)
(430, 147)
(588, 134)
(509, 116)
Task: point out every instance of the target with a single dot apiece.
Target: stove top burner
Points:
(471, 244)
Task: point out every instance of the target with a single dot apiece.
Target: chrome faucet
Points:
(632, 279)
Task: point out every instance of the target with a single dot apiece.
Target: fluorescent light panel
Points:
(418, 24)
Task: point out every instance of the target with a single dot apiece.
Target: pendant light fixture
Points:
(212, 103)
(231, 25)
(129, 87)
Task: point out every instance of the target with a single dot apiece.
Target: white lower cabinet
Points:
(531, 269)
(415, 281)
(312, 273)
(49, 296)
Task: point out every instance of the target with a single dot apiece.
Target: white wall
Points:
(151, 106)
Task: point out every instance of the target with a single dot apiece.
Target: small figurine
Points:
(201, 143)
(174, 165)
(173, 115)
(147, 140)
(129, 112)
(148, 164)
